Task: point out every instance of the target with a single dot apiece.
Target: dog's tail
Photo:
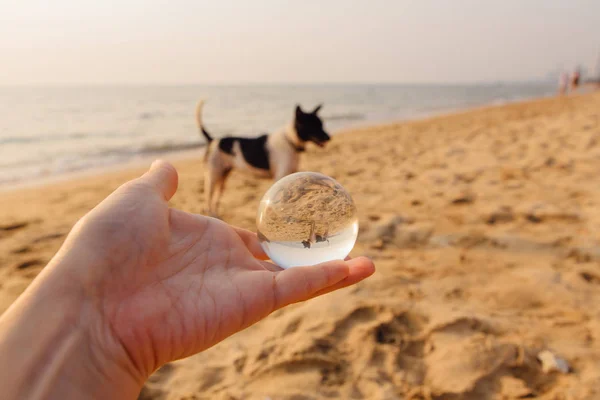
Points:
(199, 121)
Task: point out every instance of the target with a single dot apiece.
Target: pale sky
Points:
(264, 41)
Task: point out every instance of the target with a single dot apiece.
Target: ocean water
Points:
(48, 131)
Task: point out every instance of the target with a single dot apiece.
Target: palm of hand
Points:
(176, 283)
(203, 287)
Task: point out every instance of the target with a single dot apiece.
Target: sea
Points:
(47, 132)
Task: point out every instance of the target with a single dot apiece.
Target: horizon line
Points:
(279, 83)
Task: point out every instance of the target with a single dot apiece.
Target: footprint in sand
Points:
(590, 277)
(30, 263)
(14, 226)
(48, 237)
(153, 389)
(21, 250)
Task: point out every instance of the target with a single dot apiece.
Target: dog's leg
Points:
(282, 171)
(209, 187)
(215, 179)
(219, 188)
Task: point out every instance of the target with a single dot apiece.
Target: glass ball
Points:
(305, 219)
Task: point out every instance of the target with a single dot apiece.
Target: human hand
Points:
(160, 284)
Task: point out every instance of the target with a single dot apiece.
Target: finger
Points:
(360, 268)
(252, 243)
(162, 176)
(270, 266)
(302, 283)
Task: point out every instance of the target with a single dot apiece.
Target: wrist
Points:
(52, 345)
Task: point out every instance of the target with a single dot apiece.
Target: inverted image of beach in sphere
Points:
(305, 219)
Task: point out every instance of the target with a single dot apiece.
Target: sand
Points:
(485, 229)
(300, 206)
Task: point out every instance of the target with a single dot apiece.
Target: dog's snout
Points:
(321, 138)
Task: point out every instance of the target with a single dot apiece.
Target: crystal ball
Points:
(305, 219)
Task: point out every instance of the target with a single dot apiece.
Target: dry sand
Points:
(485, 229)
(305, 204)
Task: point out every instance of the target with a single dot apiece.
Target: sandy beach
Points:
(484, 226)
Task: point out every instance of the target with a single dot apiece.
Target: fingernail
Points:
(154, 164)
(357, 261)
(353, 262)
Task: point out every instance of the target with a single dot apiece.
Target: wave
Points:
(344, 117)
(150, 115)
(144, 149)
(59, 137)
(15, 172)
(154, 148)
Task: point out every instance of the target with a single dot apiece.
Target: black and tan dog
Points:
(270, 156)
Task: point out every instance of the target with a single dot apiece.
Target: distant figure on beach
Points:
(563, 83)
(575, 78)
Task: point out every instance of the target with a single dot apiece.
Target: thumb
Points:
(162, 176)
(302, 283)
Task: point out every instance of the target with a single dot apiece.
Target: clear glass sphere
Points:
(306, 218)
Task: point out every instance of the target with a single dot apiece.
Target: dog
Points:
(268, 156)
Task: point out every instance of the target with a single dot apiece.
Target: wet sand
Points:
(485, 229)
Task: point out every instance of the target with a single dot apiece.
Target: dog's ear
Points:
(299, 111)
(316, 110)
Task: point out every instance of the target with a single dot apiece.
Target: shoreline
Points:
(191, 154)
(99, 171)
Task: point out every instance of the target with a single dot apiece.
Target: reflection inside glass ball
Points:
(306, 218)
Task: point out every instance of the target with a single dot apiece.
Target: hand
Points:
(160, 284)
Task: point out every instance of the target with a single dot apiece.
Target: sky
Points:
(282, 41)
